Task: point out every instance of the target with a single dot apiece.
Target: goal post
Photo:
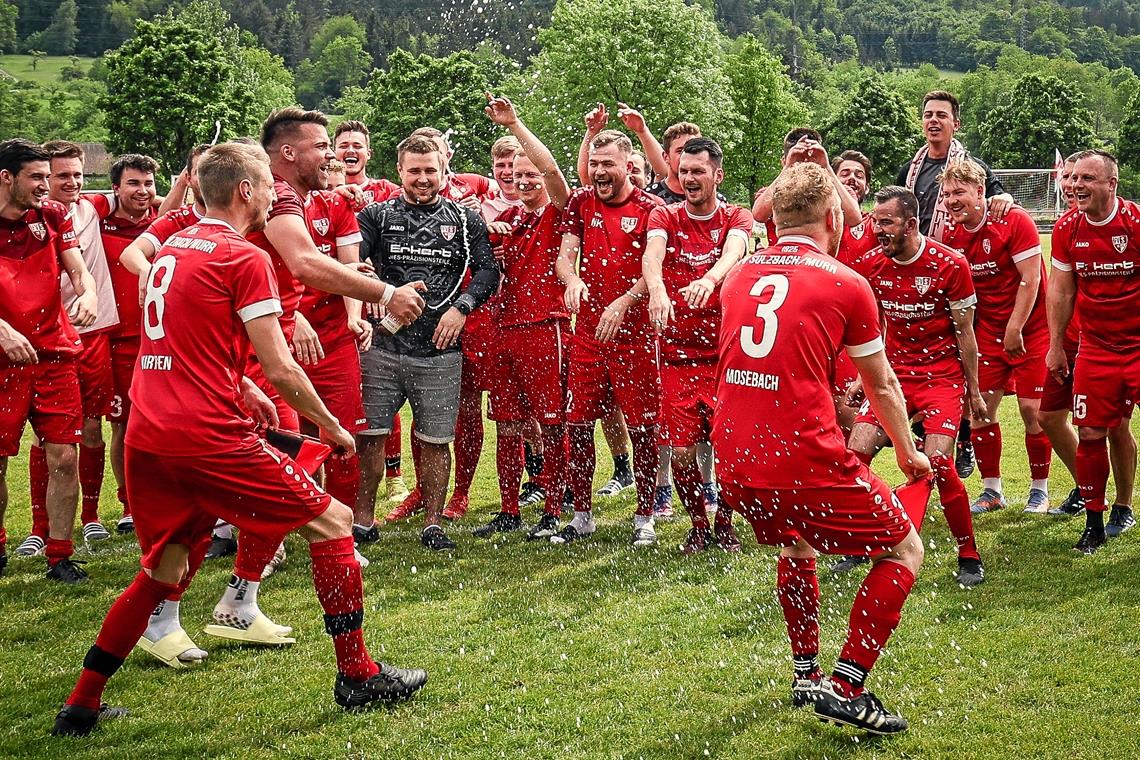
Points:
(1035, 190)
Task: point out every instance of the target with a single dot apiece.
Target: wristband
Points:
(389, 291)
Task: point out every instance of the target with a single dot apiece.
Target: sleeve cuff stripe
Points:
(865, 349)
(1062, 266)
(737, 233)
(657, 233)
(349, 239)
(965, 303)
(260, 309)
(150, 238)
(1026, 254)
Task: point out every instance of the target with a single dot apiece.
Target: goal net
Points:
(1035, 190)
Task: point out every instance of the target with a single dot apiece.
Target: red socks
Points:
(38, 481)
(687, 481)
(874, 617)
(122, 628)
(581, 465)
(91, 467)
(554, 466)
(987, 449)
(509, 466)
(122, 495)
(340, 589)
(643, 441)
(58, 549)
(955, 505)
(342, 478)
(798, 589)
(468, 445)
(1092, 472)
(253, 554)
(1040, 452)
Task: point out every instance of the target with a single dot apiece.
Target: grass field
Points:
(46, 71)
(599, 650)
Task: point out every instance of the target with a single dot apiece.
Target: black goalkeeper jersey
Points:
(436, 243)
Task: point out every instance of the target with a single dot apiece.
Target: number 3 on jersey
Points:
(767, 312)
(154, 305)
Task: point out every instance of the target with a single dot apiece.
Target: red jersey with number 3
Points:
(117, 233)
(288, 203)
(693, 245)
(994, 249)
(1105, 257)
(787, 312)
(530, 292)
(331, 224)
(916, 298)
(205, 284)
(612, 244)
(30, 267)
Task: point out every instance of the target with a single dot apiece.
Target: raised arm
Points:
(502, 112)
(654, 153)
(596, 121)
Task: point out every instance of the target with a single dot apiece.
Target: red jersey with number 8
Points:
(204, 285)
(787, 312)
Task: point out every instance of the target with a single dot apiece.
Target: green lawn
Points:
(602, 651)
(46, 71)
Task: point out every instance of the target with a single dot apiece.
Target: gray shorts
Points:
(429, 383)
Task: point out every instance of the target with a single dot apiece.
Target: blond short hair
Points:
(612, 137)
(802, 195)
(225, 166)
(506, 146)
(963, 170)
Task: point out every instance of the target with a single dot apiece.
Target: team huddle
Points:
(253, 348)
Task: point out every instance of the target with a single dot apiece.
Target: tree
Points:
(879, 123)
(423, 90)
(1041, 115)
(37, 56)
(9, 37)
(661, 56)
(762, 95)
(1128, 146)
(61, 35)
(342, 63)
(334, 28)
(165, 87)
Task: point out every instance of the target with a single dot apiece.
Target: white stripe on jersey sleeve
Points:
(737, 233)
(657, 233)
(869, 348)
(1026, 254)
(1062, 266)
(965, 303)
(355, 237)
(260, 309)
(150, 238)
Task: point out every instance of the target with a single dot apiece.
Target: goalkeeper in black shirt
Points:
(421, 237)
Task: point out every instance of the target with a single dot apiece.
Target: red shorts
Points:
(938, 400)
(614, 375)
(862, 518)
(1058, 395)
(1106, 385)
(256, 488)
(480, 343)
(530, 374)
(687, 401)
(124, 353)
(46, 394)
(998, 372)
(287, 415)
(336, 379)
(96, 380)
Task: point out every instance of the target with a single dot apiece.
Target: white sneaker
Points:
(646, 535)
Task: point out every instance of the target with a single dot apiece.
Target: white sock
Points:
(1040, 485)
(583, 522)
(163, 620)
(994, 484)
(223, 530)
(238, 605)
(642, 521)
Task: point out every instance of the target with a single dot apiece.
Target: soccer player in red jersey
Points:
(614, 358)
(194, 453)
(927, 299)
(690, 248)
(503, 153)
(787, 312)
(529, 381)
(1013, 334)
(352, 146)
(39, 380)
(1057, 405)
(125, 215)
(94, 364)
(1096, 270)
